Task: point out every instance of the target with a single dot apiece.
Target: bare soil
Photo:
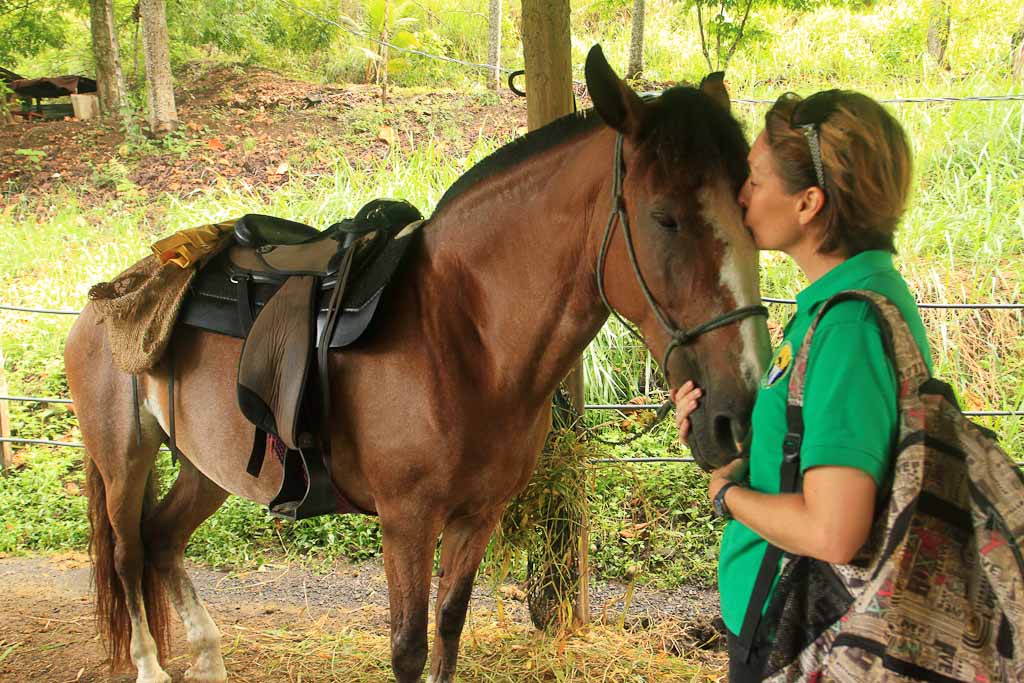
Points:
(47, 631)
(246, 123)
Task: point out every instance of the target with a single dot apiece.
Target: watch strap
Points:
(721, 509)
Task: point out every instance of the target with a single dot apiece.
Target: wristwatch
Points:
(721, 509)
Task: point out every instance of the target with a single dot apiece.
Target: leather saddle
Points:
(293, 293)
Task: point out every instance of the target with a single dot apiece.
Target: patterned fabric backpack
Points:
(937, 592)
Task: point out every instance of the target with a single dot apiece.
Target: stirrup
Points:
(306, 489)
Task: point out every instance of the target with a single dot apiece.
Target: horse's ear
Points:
(713, 86)
(614, 101)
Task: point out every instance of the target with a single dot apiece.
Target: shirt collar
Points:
(847, 275)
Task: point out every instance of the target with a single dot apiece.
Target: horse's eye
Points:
(665, 220)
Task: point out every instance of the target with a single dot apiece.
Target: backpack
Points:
(937, 592)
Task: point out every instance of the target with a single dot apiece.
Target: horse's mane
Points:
(692, 130)
(687, 125)
(558, 131)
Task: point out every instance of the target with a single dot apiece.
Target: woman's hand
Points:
(685, 398)
(733, 471)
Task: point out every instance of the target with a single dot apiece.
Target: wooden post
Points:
(6, 457)
(636, 42)
(548, 60)
(581, 610)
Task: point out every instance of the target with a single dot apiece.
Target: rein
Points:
(679, 336)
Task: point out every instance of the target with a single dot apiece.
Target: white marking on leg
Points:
(739, 275)
(200, 631)
(143, 650)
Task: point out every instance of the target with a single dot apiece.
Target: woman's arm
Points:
(830, 520)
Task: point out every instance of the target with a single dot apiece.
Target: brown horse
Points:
(440, 413)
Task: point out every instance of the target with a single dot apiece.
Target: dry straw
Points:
(355, 649)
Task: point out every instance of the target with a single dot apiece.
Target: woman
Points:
(829, 178)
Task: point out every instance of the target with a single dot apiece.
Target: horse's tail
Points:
(112, 618)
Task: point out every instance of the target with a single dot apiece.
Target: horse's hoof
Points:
(158, 677)
(206, 674)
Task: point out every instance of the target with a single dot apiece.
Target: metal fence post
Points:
(5, 420)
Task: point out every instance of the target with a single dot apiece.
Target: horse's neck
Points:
(516, 255)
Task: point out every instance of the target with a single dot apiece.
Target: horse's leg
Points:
(191, 500)
(463, 543)
(409, 538)
(128, 590)
(119, 463)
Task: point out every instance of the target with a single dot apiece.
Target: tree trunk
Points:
(494, 45)
(549, 95)
(384, 56)
(109, 79)
(548, 61)
(136, 49)
(163, 117)
(938, 31)
(1018, 50)
(636, 42)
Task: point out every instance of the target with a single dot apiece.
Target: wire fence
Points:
(619, 407)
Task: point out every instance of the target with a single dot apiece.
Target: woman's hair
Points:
(866, 163)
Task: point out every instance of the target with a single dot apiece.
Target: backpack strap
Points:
(912, 372)
(900, 345)
(789, 482)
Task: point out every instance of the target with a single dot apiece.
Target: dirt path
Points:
(281, 623)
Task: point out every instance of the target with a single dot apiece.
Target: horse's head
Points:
(677, 260)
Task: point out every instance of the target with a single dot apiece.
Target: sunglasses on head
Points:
(807, 116)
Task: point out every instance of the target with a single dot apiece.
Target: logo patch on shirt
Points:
(780, 365)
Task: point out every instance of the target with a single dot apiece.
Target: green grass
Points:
(962, 241)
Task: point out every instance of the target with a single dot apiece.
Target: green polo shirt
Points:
(849, 403)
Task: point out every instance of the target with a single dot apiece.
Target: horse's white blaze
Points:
(739, 273)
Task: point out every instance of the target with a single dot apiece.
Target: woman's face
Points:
(771, 214)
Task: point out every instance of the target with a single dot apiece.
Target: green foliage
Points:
(41, 506)
(30, 27)
(34, 156)
(388, 22)
(652, 521)
(5, 93)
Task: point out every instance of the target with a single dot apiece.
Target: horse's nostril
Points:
(731, 434)
(724, 438)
